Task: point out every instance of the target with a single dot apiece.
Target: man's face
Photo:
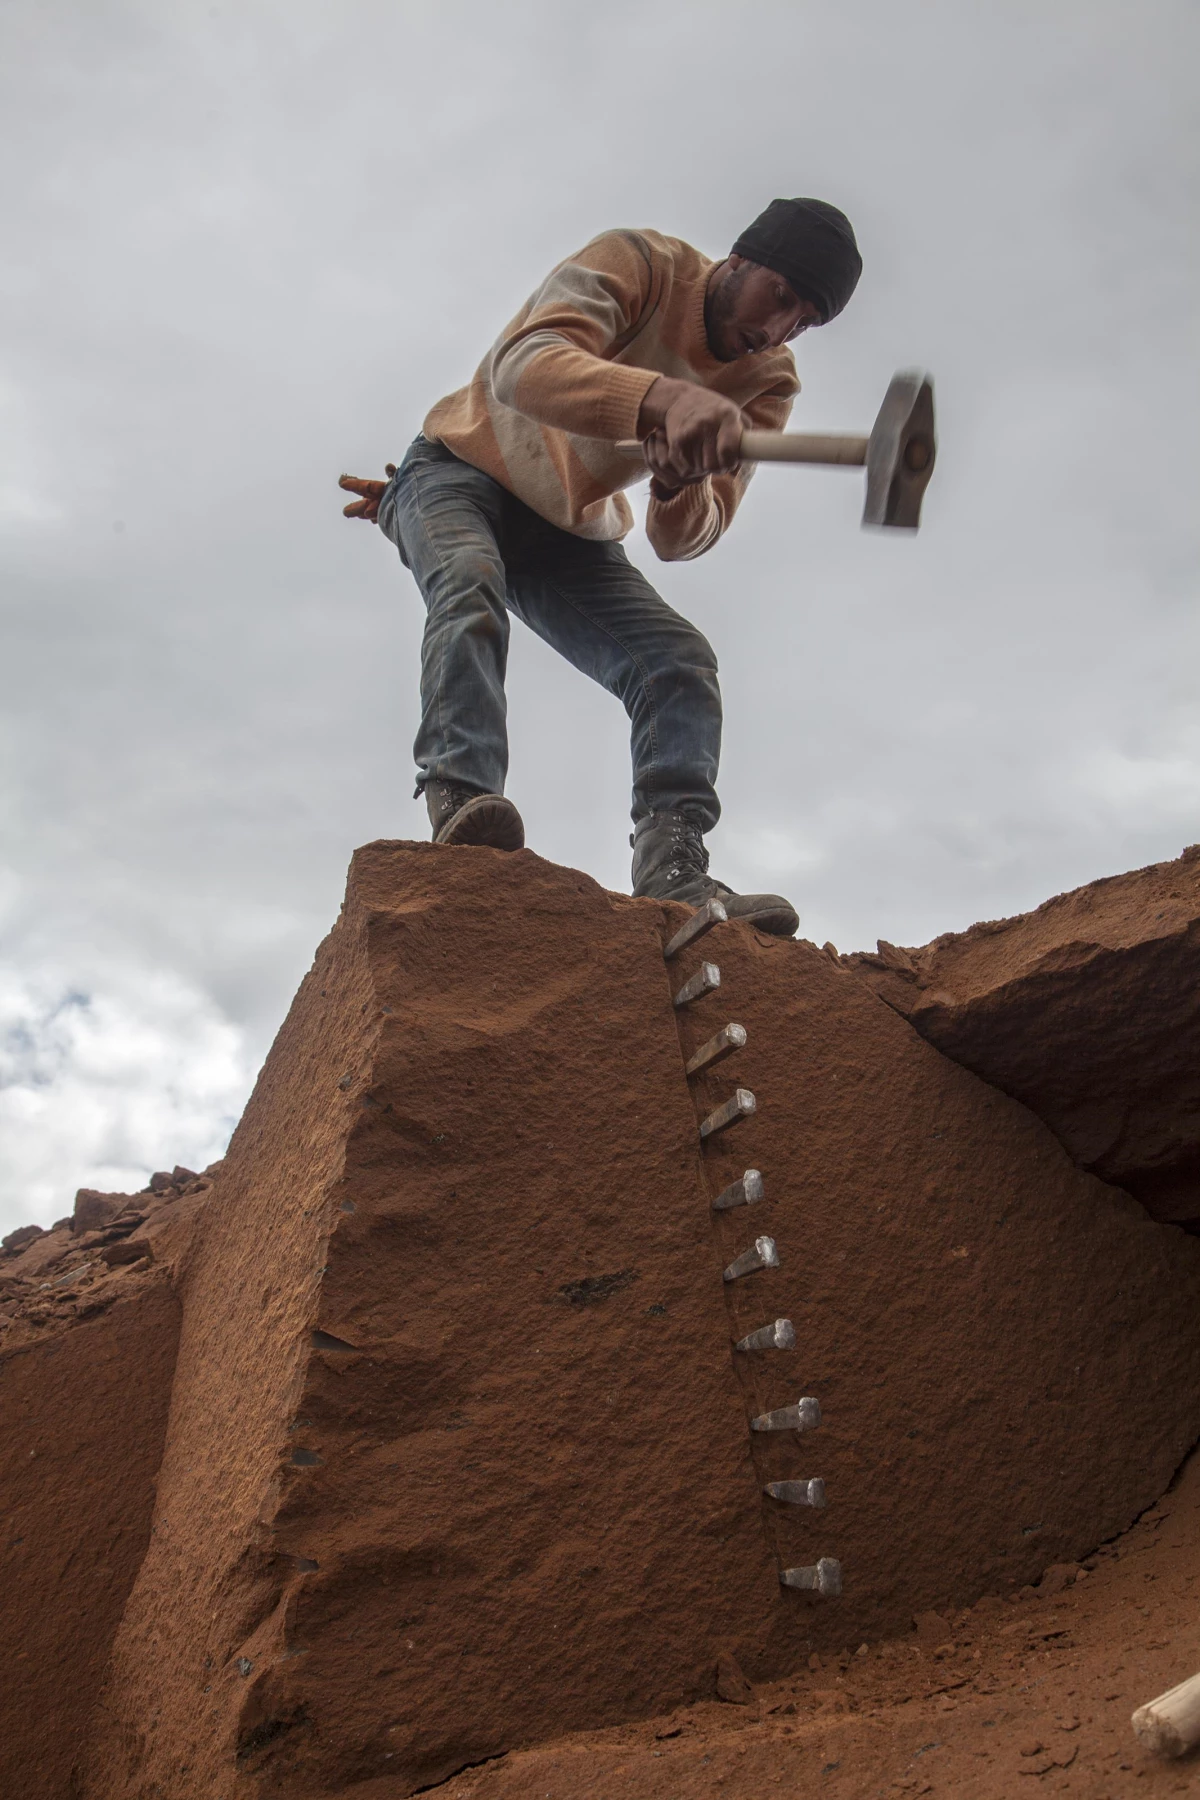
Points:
(750, 308)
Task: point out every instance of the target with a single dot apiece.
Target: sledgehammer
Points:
(899, 454)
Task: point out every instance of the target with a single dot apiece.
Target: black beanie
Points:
(811, 244)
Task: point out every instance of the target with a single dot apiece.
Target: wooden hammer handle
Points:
(1171, 1724)
(790, 446)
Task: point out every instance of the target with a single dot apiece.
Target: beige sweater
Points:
(566, 379)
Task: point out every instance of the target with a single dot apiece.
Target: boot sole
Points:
(779, 920)
(775, 924)
(774, 915)
(489, 820)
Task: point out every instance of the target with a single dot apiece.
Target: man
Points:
(511, 501)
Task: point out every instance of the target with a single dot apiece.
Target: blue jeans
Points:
(478, 554)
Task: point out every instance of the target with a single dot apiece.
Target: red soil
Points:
(1004, 1701)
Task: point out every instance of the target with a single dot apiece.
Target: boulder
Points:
(39, 1254)
(18, 1239)
(1088, 1011)
(94, 1210)
(459, 1454)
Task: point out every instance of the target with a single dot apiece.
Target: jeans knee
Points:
(682, 659)
(701, 654)
(688, 656)
(472, 572)
(465, 588)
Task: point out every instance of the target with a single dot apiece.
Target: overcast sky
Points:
(247, 245)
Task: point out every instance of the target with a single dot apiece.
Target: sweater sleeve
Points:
(684, 527)
(553, 367)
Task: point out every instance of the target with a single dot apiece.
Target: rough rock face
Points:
(1088, 1010)
(964, 1300)
(83, 1416)
(89, 1323)
(458, 1455)
(969, 1707)
(506, 1481)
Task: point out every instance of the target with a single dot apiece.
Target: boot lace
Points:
(688, 856)
(452, 797)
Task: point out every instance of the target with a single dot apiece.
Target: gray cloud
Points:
(247, 247)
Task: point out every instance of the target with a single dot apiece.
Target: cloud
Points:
(98, 1089)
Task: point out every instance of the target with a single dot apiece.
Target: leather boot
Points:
(671, 863)
(462, 815)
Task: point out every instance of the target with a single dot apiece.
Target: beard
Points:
(720, 312)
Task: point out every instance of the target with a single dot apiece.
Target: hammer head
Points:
(901, 452)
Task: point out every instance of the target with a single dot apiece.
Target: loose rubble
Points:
(49, 1279)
